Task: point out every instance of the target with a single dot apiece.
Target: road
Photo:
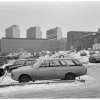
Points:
(89, 89)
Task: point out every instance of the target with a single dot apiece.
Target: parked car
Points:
(3, 59)
(18, 63)
(83, 53)
(92, 52)
(51, 68)
(94, 58)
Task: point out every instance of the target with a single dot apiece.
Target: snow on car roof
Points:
(59, 58)
(41, 60)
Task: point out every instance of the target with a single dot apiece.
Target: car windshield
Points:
(11, 62)
(29, 62)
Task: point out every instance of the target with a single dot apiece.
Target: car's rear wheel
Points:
(70, 76)
(24, 79)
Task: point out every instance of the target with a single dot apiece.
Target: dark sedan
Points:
(95, 58)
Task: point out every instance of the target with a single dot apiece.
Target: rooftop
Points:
(25, 38)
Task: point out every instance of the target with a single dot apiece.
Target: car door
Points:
(72, 67)
(45, 71)
(65, 66)
(60, 68)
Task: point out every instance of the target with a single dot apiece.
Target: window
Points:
(77, 62)
(62, 62)
(70, 62)
(20, 62)
(29, 62)
(45, 64)
(54, 63)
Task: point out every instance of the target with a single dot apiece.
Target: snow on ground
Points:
(91, 77)
(34, 88)
(6, 79)
(40, 87)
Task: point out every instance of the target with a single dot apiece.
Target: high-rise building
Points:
(12, 32)
(54, 34)
(34, 33)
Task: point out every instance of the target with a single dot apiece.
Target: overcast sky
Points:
(70, 16)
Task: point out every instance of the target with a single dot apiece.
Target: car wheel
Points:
(70, 76)
(24, 78)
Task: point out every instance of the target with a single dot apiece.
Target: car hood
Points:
(24, 68)
(5, 65)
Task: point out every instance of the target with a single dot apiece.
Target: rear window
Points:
(70, 62)
(78, 63)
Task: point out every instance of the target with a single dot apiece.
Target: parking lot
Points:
(55, 88)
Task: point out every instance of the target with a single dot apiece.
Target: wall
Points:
(15, 45)
(38, 32)
(31, 33)
(16, 32)
(80, 39)
(9, 32)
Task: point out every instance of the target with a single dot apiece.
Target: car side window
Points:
(62, 62)
(77, 62)
(70, 62)
(21, 62)
(54, 63)
(45, 64)
(29, 62)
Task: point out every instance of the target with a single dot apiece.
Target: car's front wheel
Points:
(70, 76)
(24, 78)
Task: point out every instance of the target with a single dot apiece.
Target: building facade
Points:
(12, 45)
(12, 32)
(54, 34)
(87, 41)
(34, 33)
(80, 39)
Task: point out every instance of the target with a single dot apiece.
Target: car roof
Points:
(60, 58)
(20, 59)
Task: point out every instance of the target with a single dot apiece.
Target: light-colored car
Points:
(55, 68)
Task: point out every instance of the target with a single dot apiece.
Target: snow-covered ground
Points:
(56, 89)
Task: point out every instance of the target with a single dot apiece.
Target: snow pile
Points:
(88, 78)
(12, 90)
(6, 79)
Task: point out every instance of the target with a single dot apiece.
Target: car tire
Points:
(70, 76)
(24, 78)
